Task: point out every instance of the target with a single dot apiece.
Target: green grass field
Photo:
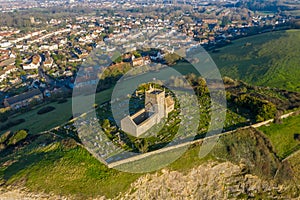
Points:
(269, 59)
(282, 136)
(63, 112)
(294, 13)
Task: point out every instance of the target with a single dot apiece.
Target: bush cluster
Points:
(45, 110)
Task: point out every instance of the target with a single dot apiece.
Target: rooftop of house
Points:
(36, 59)
(23, 96)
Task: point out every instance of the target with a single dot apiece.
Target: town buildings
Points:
(54, 52)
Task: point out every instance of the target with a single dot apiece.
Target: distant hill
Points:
(269, 59)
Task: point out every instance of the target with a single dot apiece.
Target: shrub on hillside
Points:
(17, 137)
(45, 110)
(69, 143)
(2, 146)
(4, 137)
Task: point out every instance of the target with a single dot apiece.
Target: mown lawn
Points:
(63, 112)
(282, 136)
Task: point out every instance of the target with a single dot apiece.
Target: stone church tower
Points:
(155, 101)
(157, 106)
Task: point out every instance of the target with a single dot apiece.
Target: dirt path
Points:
(141, 156)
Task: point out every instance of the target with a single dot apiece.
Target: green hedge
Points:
(45, 110)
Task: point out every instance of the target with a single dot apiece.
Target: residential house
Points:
(10, 61)
(6, 71)
(135, 62)
(49, 47)
(34, 64)
(24, 99)
(48, 62)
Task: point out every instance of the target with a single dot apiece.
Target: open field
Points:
(282, 136)
(269, 59)
(63, 112)
(294, 12)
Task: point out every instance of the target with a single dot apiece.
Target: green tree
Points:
(110, 29)
(225, 21)
(136, 54)
(118, 60)
(106, 124)
(191, 78)
(201, 87)
(267, 111)
(172, 58)
(98, 13)
(143, 145)
(18, 61)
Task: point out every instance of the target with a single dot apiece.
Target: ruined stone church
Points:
(157, 106)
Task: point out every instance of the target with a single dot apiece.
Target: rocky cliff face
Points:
(23, 194)
(246, 167)
(212, 180)
(209, 181)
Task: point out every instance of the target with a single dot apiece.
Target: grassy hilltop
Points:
(269, 59)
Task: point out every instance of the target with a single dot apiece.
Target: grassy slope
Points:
(282, 136)
(62, 169)
(51, 165)
(293, 164)
(270, 59)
